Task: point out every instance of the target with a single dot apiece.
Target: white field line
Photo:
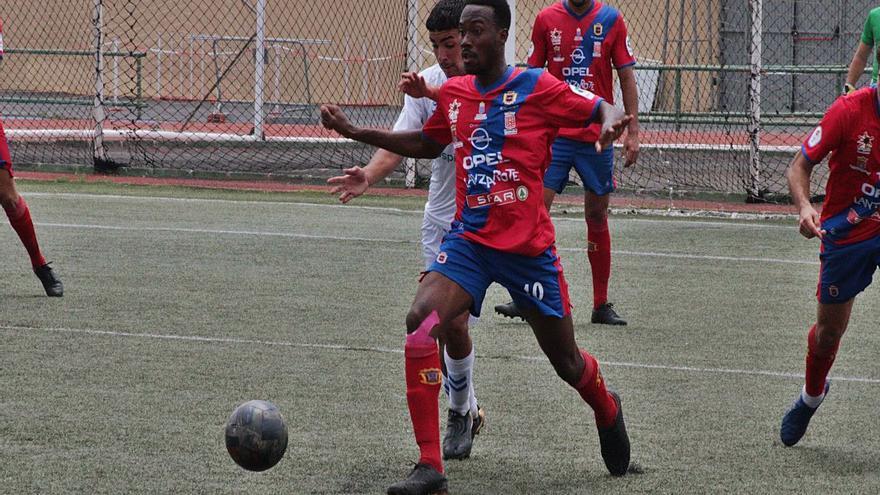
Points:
(385, 350)
(625, 217)
(648, 254)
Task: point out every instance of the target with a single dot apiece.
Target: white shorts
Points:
(432, 237)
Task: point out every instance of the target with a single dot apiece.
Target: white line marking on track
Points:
(292, 235)
(385, 350)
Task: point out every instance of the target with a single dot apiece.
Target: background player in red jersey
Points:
(849, 230)
(579, 41)
(20, 216)
(501, 122)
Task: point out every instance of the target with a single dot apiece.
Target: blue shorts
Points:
(535, 282)
(846, 270)
(596, 170)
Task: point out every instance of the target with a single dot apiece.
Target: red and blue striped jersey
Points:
(852, 194)
(501, 136)
(581, 50)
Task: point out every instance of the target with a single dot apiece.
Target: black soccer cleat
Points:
(51, 283)
(509, 310)
(423, 480)
(605, 315)
(460, 432)
(614, 443)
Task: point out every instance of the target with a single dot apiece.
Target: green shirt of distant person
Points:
(868, 42)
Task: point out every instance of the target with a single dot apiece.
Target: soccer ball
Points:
(256, 435)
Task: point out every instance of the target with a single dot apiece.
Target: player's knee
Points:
(569, 368)
(417, 316)
(828, 336)
(8, 199)
(596, 216)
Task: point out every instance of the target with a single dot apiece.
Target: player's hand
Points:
(611, 130)
(809, 224)
(351, 185)
(415, 86)
(631, 148)
(333, 118)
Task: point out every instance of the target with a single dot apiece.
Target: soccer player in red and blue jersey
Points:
(501, 122)
(580, 42)
(20, 215)
(849, 230)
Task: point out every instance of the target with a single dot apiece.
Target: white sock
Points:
(460, 373)
(811, 401)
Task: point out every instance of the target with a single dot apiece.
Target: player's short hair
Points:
(501, 8)
(445, 15)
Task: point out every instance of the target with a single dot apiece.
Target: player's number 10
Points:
(536, 290)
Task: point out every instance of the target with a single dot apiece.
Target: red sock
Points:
(20, 219)
(599, 253)
(423, 379)
(819, 362)
(592, 389)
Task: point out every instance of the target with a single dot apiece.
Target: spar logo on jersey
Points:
(815, 137)
(865, 143)
(499, 198)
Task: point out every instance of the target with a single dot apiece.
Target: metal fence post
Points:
(755, 190)
(98, 114)
(259, 70)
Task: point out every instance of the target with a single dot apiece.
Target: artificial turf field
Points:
(181, 304)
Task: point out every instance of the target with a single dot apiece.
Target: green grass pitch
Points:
(181, 304)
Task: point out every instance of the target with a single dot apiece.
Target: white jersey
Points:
(440, 208)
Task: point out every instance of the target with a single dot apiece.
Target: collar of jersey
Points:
(501, 80)
(572, 12)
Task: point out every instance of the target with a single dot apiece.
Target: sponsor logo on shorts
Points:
(430, 376)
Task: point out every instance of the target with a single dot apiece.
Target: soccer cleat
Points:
(605, 315)
(796, 420)
(509, 310)
(460, 432)
(614, 442)
(51, 282)
(423, 480)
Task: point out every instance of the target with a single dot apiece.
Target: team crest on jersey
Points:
(430, 376)
(577, 56)
(510, 123)
(522, 193)
(509, 98)
(578, 37)
(597, 49)
(556, 41)
(481, 112)
(865, 143)
(598, 29)
(453, 110)
(815, 137)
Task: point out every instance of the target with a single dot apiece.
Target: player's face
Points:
(579, 3)
(482, 41)
(447, 49)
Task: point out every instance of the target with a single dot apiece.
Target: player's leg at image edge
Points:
(820, 357)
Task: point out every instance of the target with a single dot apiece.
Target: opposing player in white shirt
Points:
(465, 418)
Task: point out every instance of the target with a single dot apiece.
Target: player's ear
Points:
(504, 33)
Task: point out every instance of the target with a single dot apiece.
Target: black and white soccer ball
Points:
(256, 435)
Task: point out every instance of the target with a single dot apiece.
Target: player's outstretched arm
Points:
(857, 67)
(798, 175)
(356, 180)
(407, 143)
(614, 122)
(415, 86)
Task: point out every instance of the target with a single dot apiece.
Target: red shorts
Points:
(5, 157)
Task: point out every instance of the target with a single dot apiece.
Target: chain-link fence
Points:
(727, 88)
